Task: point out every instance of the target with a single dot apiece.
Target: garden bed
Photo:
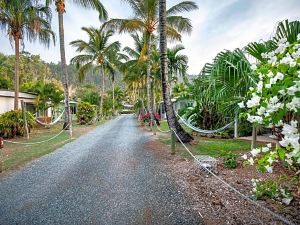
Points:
(216, 203)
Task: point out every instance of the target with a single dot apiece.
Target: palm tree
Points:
(146, 21)
(23, 19)
(172, 121)
(177, 63)
(60, 8)
(96, 55)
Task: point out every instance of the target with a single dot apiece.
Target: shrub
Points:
(85, 113)
(146, 117)
(12, 124)
(272, 190)
(230, 159)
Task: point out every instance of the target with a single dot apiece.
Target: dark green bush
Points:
(12, 125)
(85, 113)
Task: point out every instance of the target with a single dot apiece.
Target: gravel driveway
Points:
(104, 177)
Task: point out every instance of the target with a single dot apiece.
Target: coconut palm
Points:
(172, 121)
(116, 60)
(23, 19)
(60, 8)
(177, 63)
(146, 21)
(96, 55)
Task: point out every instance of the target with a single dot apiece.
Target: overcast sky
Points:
(218, 25)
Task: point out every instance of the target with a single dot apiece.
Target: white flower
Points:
(294, 123)
(255, 119)
(287, 201)
(270, 74)
(251, 161)
(293, 63)
(291, 90)
(289, 161)
(265, 149)
(253, 67)
(261, 111)
(272, 60)
(251, 88)
(294, 104)
(268, 86)
(298, 37)
(241, 105)
(255, 151)
(260, 86)
(254, 101)
(269, 169)
(279, 76)
(282, 92)
(270, 160)
(273, 80)
(244, 156)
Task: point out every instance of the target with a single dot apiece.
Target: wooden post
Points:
(236, 128)
(1, 154)
(173, 142)
(26, 134)
(254, 137)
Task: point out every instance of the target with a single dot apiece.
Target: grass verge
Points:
(16, 155)
(206, 146)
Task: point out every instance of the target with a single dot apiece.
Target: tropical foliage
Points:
(12, 124)
(25, 19)
(86, 113)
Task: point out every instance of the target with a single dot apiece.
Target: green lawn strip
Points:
(165, 127)
(31, 152)
(210, 146)
(25, 153)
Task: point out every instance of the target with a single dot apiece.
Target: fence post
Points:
(173, 142)
(254, 137)
(236, 128)
(24, 119)
(1, 154)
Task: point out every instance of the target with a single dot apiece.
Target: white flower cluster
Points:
(263, 107)
(291, 138)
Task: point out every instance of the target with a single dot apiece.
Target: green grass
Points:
(165, 127)
(16, 155)
(207, 146)
(215, 147)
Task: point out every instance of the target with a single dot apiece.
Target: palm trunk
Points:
(172, 121)
(149, 97)
(102, 95)
(67, 116)
(17, 72)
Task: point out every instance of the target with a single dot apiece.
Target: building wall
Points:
(7, 103)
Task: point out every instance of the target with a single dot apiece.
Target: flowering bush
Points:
(275, 102)
(271, 189)
(146, 117)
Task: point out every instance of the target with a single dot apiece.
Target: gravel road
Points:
(104, 177)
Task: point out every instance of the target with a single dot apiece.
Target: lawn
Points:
(16, 155)
(206, 146)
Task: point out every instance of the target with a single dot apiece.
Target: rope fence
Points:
(38, 142)
(275, 215)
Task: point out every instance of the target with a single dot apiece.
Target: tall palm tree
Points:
(177, 63)
(146, 21)
(60, 8)
(96, 55)
(116, 60)
(172, 121)
(24, 19)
